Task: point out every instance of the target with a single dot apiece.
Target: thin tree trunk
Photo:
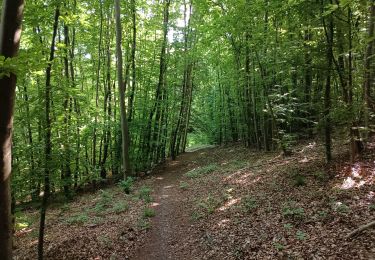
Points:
(97, 86)
(327, 93)
(367, 67)
(124, 123)
(134, 45)
(48, 144)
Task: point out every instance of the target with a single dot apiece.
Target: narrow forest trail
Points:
(169, 226)
(227, 202)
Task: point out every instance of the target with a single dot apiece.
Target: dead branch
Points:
(360, 229)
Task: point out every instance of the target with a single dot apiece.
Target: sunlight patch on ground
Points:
(168, 187)
(173, 163)
(24, 231)
(223, 222)
(155, 204)
(160, 178)
(304, 160)
(358, 177)
(229, 204)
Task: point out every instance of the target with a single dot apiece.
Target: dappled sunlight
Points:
(223, 223)
(242, 178)
(155, 204)
(304, 160)
(168, 187)
(23, 231)
(359, 175)
(174, 163)
(229, 204)
(159, 178)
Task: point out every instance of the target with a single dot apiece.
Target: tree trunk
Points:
(134, 45)
(10, 33)
(48, 144)
(367, 67)
(327, 93)
(124, 123)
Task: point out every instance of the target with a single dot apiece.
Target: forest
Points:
(187, 129)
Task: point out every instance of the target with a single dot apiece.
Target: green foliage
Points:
(127, 185)
(184, 185)
(321, 176)
(196, 215)
(105, 200)
(78, 219)
(288, 226)
(144, 224)
(144, 194)
(298, 179)
(290, 210)
(372, 207)
(120, 207)
(24, 220)
(208, 205)
(278, 246)
(323, 214)
(249, 203)
(341, 208)
(286, 142)
(204, 170)
(300, 235)
(149, 213)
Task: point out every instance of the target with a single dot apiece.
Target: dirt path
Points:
(171, 222)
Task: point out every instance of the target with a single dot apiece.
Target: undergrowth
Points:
(198, 172)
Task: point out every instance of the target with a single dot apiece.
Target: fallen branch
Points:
(360, 229)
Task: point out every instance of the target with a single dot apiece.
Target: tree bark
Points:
(120, 82)
(367, 67)
(10, 33)
(48, 144)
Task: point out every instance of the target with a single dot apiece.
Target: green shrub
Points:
(196, 215)
(342, 208)
(127, 185)
(209, 204)
(148, 213)
(278, 246)
(291, 211)
(198, 172)
(288, 226)
(105, 200)
(298, 179)
(184, 185)
(78, 219)
(144, 224)
(301, 235)
(119, 207)
(144, 194)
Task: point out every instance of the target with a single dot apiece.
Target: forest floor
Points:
(220, 203)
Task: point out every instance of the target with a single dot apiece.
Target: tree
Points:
(124, 122)
(47, 137)
(10, 35)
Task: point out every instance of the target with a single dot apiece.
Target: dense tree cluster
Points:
(262, 72)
